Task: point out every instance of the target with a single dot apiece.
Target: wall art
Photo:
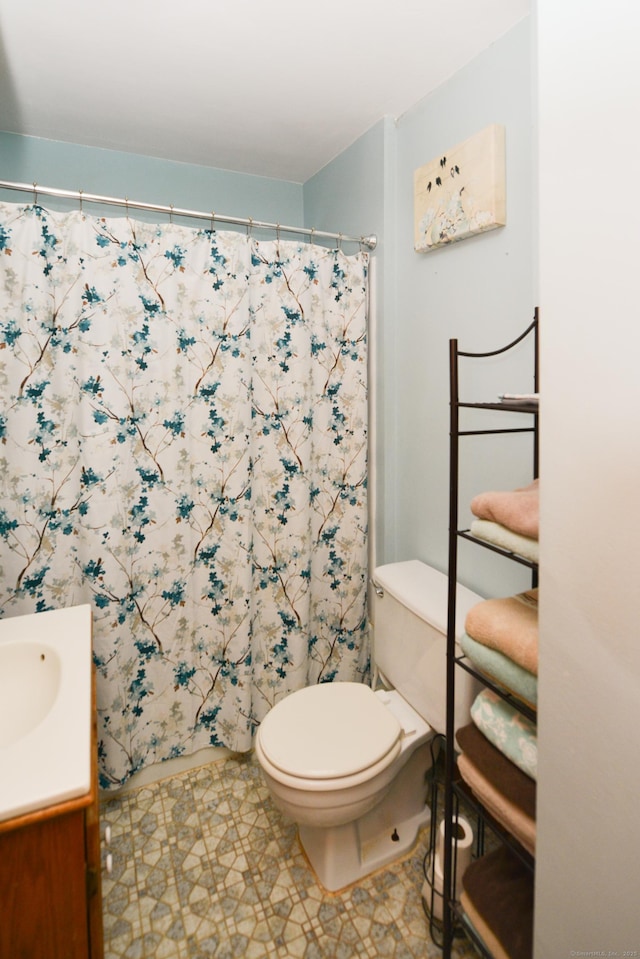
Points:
(462, 192)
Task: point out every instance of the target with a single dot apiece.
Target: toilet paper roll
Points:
(462, 842)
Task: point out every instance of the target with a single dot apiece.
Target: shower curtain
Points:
(183, 445)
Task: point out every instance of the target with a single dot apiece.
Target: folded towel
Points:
(517, 510)
(532, 399)
(468, 914)
(509, 625)
(507, 793)
(505, 538)
(509, 731)
(498, 899)
(478, 925)
(502, 670)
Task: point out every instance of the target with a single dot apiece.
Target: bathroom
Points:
(538, 80)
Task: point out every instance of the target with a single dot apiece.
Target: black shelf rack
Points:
(455, 790)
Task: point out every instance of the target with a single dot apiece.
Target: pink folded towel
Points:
(509, 625)
(518, 510)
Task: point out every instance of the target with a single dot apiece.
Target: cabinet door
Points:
(43, 908)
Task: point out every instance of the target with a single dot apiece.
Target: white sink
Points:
(45, 709)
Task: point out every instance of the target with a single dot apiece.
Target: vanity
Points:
(50, 889)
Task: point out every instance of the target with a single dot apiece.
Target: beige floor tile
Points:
(205, 866)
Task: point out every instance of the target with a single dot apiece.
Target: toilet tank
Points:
(410, 639)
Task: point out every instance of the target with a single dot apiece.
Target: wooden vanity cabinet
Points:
(50, 889)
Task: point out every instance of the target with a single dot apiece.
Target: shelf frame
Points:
(451, 910)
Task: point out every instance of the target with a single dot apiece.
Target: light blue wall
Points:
(348, 194)
(111, 173)
(480, 291)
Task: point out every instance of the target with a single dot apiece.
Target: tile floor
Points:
(205, 866)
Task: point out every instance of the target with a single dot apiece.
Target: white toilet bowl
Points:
(349, 767)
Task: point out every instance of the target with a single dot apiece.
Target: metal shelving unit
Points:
(455, 790)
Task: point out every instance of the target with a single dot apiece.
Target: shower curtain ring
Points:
(126, 204)
(340, 242)
(171, 213)
(80, 192)
(278, 232)
(250, 226)
(312, 235)
(35, 193)
(213, 217)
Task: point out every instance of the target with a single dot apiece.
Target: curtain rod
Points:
(367, 241)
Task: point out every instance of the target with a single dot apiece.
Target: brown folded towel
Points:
(481, 928)
(508, 793)
(518, 510)
(509, 625)
(498, 899)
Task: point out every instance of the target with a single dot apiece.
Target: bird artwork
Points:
(462, 193)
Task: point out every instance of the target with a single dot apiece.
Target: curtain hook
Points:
(213, 217)
(35, 193)
(171, 213)
(80, 192)
(340, 242)
(250, 226)
(126, 204)
(278, 232)
(312, 236)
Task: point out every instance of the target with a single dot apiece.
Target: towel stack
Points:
(501, 635)
(498, 759)
(509, 520)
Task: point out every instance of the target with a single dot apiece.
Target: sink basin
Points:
(29, 686)
(45, 709)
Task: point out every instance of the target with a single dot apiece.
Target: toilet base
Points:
(342, 855)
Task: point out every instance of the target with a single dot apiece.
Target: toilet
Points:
(349, 764)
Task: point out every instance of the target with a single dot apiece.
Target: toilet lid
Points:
(328, 731)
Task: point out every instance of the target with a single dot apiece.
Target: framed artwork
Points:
(461, 193)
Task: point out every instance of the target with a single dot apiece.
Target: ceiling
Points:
(276, 88)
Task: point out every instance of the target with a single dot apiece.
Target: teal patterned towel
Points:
(509, 731)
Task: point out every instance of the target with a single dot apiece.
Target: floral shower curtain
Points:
(183, 440)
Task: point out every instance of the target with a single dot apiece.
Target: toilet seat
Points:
(329, 731)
